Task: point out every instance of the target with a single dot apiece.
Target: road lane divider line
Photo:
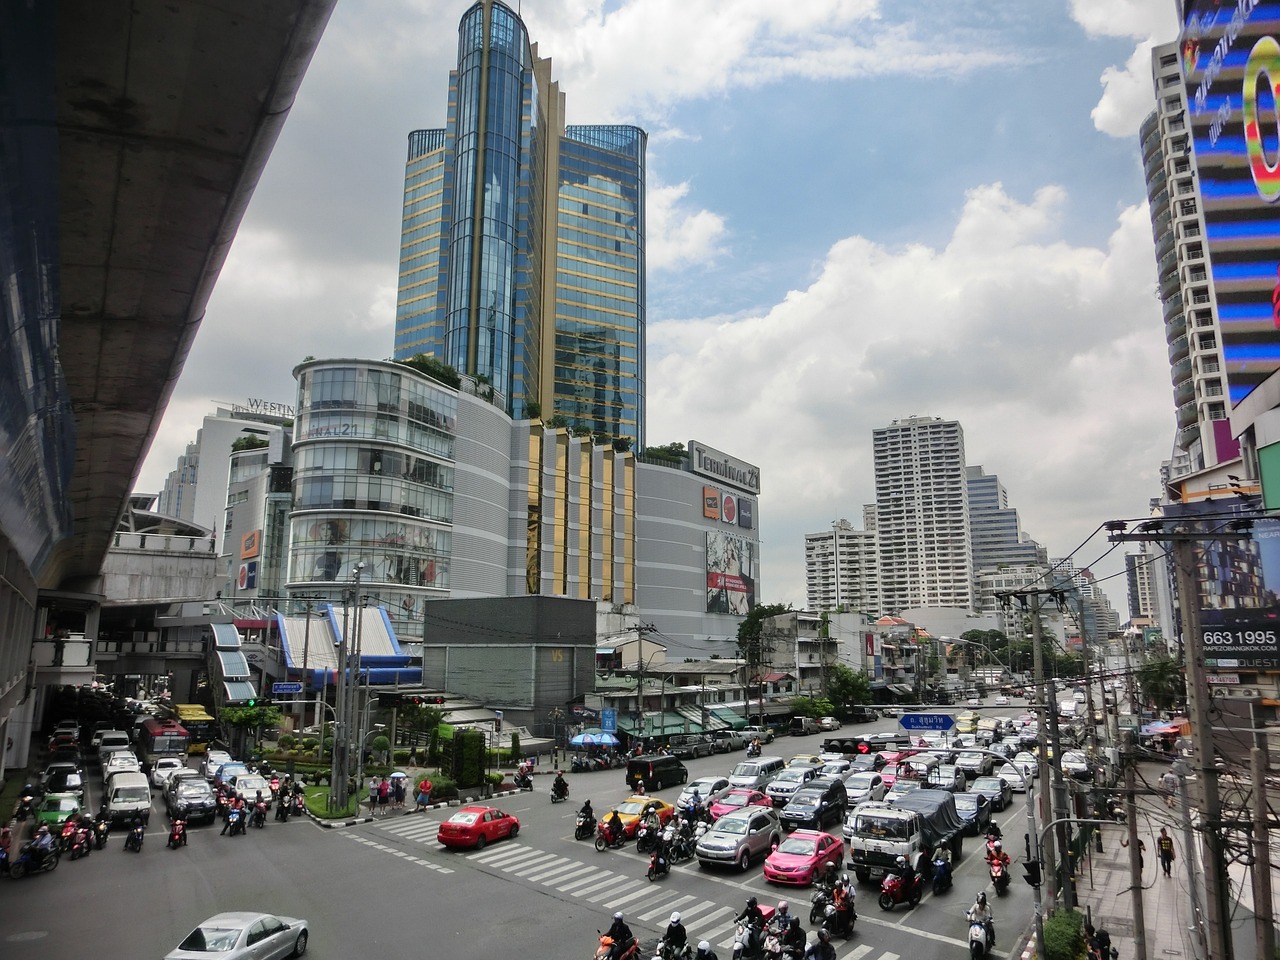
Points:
(665, 908)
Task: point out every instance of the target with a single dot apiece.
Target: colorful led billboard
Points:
(1231, 65)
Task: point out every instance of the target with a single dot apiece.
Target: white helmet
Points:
(675, 917)
(704, 946)
(618, 915)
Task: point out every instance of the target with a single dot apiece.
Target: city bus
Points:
(161, 738)
(201, 727)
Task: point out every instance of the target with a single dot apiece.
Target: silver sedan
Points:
(244, 936)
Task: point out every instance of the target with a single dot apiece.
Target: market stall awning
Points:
(658, 725)
(734, 719)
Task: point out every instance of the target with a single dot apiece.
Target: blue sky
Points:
(858, 211)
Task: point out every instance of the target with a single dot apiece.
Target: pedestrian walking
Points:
(424, 793)
(373, 796)
(1142, 848)
(1169, 786)
(1164, 849)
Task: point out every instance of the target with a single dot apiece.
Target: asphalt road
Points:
(389, 885)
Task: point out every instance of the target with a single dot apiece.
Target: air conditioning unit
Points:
(1247, 691)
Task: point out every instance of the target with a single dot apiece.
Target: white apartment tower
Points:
(922, 515)
(841, 570)
(1185, 284)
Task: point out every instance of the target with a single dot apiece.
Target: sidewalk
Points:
(1104, 891)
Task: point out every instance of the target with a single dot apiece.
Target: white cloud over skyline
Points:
(857, 212)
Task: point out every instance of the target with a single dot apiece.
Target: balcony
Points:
(1170, 283)
(1181, 371)
(1187, 436)
(1157, 183)
(1164, 243)
(1178, 349)
(1185, 392)
(1175, 328)
(1188, 415)
(1172, 305)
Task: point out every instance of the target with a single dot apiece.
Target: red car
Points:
(738, 798)
(475, 826)
(802, 857)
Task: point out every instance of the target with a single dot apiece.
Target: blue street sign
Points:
(609, 721)
(926, 721)
(286, 688)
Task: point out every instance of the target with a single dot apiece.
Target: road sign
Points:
(286, 688)
(1127, 723)
(926, 721)
(609, 721)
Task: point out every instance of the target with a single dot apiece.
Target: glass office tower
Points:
(522, 243)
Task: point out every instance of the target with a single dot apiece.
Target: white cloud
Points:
(1127, 95)
(677, 237)
(1050, 355)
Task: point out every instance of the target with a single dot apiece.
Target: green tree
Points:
(814, 707)
(1162, 682)
(251, 718)
(752, 644)
(847, 688)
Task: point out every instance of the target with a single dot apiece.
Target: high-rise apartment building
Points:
(522, 257)
(1141, 570)
(1188, 294)
(842, 569)
(996, 534)
(922, 515)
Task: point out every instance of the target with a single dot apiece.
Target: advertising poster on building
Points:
(731, 574)
(1230, 54)
(1239, 585)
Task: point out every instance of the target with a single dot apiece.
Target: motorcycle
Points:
(941, 875)
(26, 805)
(559, 792)
(133, 839)
(748, 944)
(894, 891)
(259, 816)
(979, 939)
(584, 826)
(68, 834)
(999, 876)
(82, 843)
(579, 765)
(752, 752)
(101, 827)
(658, 865)
(667, 951)
(607, 840)
(177, 834)
(34, 858)
(1115, 810)
(235, 817)
(820, 900)
(605, 949)
(646, 838)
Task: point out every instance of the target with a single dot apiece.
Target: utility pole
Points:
(1215, 861)
(1042, 755)
(1264, 919)
(1135, 852)
(1181, 768)
(1182, 541)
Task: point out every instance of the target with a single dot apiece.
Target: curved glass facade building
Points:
(372, 483)
(522, 241)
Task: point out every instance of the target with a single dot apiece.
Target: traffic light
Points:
(251, 702)
(389, 700)
(1031, 872)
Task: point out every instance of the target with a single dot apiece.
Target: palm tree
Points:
(1163, 682)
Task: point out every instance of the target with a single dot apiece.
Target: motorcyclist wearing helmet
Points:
(981, 913)
(705, 952)
(621, 935)
(794, 941)
(843, 896)
(676, 938)
(613, 823)
(751, 914)
(560, 786)
(830, 876)
(996, 855)
(908, 874)
(43, 840)
(586, 811)
(822, 948)
(782, 916)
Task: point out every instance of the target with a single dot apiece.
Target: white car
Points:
(1002, 701)
(244, 936)
(118, 762)
(973, 702)
(828, 723)
(710, 789)
(213, 759)
(864, 786)
(1009, 773)
(163, 768)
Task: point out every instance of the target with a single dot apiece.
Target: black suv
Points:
(816, 804)
(862, 715)
(690, 746)
(190, 798)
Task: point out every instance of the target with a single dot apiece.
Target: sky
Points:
(858, 211)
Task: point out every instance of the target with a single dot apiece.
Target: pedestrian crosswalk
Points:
(595, 884)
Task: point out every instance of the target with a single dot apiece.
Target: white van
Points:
(755, 774)
(127, 795)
